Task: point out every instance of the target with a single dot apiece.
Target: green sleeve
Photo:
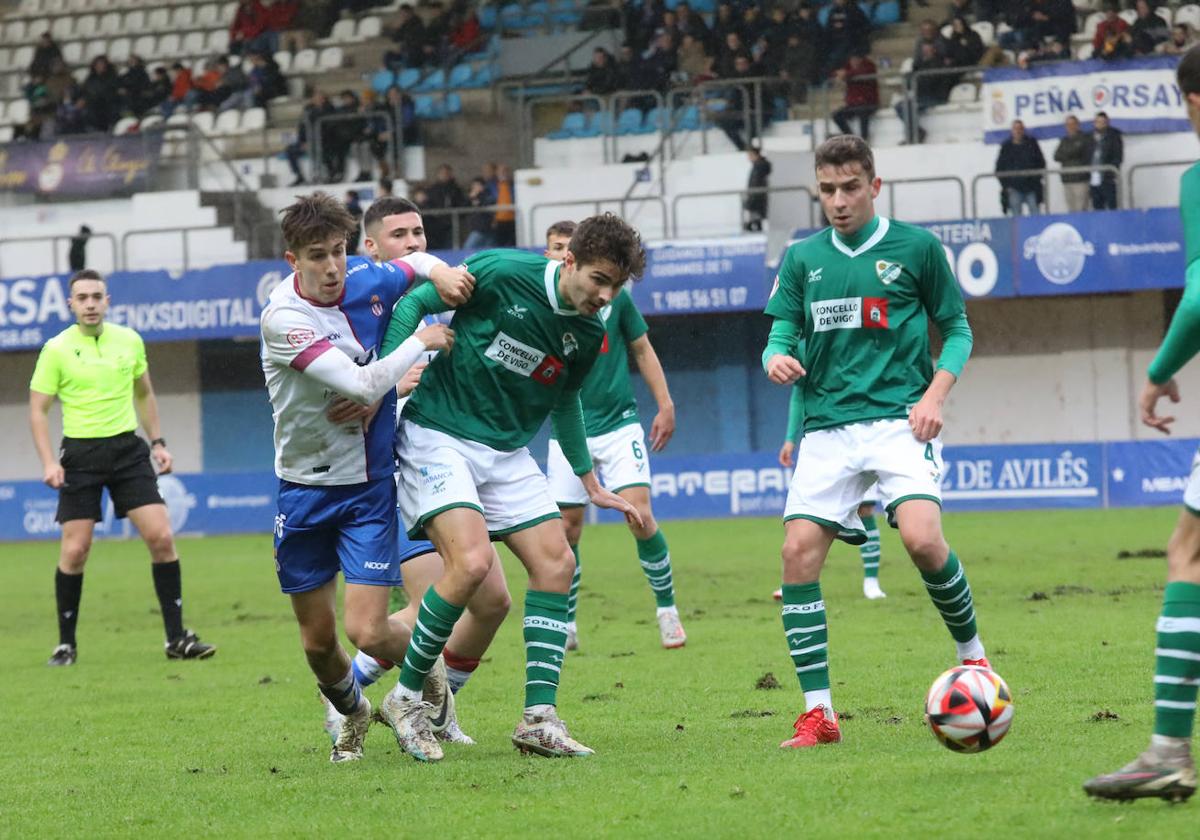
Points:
(787, 297)
(45, 372)
(407, 315)
(567, 419)
(784, 338)
(140, 364)
(1183, 336)
(943, 300)
(795, 413)
(957, 341)
(633, 325)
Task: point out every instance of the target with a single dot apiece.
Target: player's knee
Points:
(74, 555)
(1183, 551)
(648, 527)
(802, 559)
(319, 643)
(927, 548)
(367, 636)
(573, 529)
(473, 564)
(161, 545)
(491, 607)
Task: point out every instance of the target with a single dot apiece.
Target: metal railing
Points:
(317, 140)
(741, 194)
(1142, 167)
(53, 240)
(456, 214)
(1044, 174)
(597, 203)
(183, 237)
(890, 186)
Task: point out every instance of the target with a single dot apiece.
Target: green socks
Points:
(435, 620)
(545, 631)
(870, 549)
(808, 640)
(951, 594)
(656, 563)
(1177, 661)
(573, 595)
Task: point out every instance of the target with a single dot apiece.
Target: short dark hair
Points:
(389, 205)
(84, 274)
(609, 237)
(1188, 71)
(843, 149)
(315, 218)
(564, 228)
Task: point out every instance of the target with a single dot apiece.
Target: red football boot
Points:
(819, 726)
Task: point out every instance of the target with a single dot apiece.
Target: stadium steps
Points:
(255, 218)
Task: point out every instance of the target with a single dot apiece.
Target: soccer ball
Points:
(969, 709)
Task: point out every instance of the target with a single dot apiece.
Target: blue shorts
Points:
(351, 527)
(407, 549)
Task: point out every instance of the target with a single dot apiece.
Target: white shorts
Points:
(836, 467)
(1191, 493)
(619, 458)
(438, 472)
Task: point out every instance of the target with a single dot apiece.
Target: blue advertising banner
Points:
(1139, 96)
(980, 253)
(975, 478)
(91, 165)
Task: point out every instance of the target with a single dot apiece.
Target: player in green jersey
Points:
(527, 339)
(1166, 768)
(618, 448)
(869, 550)
(860, 294)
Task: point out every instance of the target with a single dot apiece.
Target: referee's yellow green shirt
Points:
(93, 378)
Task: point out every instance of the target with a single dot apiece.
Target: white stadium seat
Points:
(284, 59)
(183, 18)
(119, 50)
(369, 27)
(228, 122)
(332, 58)
(1089, 25)
(110, 24)
(192, 44)
(1083, 52)
(31, 7)
(150, 122)
(158, 20)
(168, 46)
(135, 22)
(304, 61)
(253, 120)
(203, 120)
(5, 58)
(22, 56)
(144, 46)
(124, 125)
(79, 74)
(1129, 16)
(87, 26)
(218, 41)
(986, 31)
(343, 32)
(963, 93)
(34, 29)
(15, 32)
(18, 112)
(72, 53)
(206, 16)
(228, 10)
(63, 28)
(1189, 14)
(94, 49)
(3, 113)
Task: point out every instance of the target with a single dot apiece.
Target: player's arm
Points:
(146, 406)
(454, 284)
(290, 340)
(944, 303)
(407, 315)
(43, 387)
(786, 306)
(780, 365)
(651, 369)
(567, 419)
(1180, 345)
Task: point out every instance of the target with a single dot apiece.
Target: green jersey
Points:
(607, 393)
(93, 377)
(862, 307)
(1182, 341)
(517, 349)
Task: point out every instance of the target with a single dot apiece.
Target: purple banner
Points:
(91, 165)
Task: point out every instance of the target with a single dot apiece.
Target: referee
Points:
(99, 373)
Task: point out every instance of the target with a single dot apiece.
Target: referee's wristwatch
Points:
(158, 442)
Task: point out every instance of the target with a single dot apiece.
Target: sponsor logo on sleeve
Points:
(300, 337)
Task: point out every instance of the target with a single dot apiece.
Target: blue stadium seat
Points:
(687, 118)
(566, 18)
(599, 122)
(886, 12)
(510, 15)
(453, 105)
(487, 16)
(428, 107)
(434, 81)
(461, 76)
(382, 80)
(630, 121)
(485, 75)
(573, 125)
(536, 21)
(704, 6)
(823, 16)
(656, 118)
(407, 78)
(538, 7)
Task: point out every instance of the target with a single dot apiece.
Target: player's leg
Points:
(1166, 769)
(317, 618)
(68, 585)
(655, 559)
(869, 551)
(567, 490)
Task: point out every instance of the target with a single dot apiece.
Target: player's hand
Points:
(162, 459)
(787, 454)
(437, 337)
(454, 285)
(408, 383)
(925, 419)
(1148, 404)
(783, 369)
(53, 476)
(662, 428)
(602, 498)
(343, 410)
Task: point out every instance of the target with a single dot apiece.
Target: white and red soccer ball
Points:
(969, 709)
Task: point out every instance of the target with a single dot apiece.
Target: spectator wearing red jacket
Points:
(181, 86)
(1111, 35)
(249, 25)
(862, 94)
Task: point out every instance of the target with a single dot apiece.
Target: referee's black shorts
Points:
(121, 463)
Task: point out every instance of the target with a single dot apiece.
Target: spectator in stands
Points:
(1148, 31)
(862, 94)
(1108, 149)
(72, 114)
(133, 85)
(160, 89)
(693, 61)
(77, 255)
(658, 62)
(1075, 149)
(408, 39)
(248, 27)
(339, 136)
(960, 8)
(203, 94)
(60, 81)
(466, 35)
(929, 35)
(281, 18)
(725, 21)
(313, 18)
(755, 204)
(181, 85)
(641, 20)
(354, 208)
(1112, 40)
(931, 90)
(385, 189)
(443, 194)
(732, 47)
(753, 23)
(437, 35)
(964, 47)
(265, 80)
(799, 68)
(688, 22)
(1051, 50)
(504, 226)
(43, 56)
(231, 85)
(1033, 21)
(847, 28)
(317, 107)
(1181, 40)
(372, 146)
(40, 125)
(394, 111)
(739, 114)
(488, 173)
(101, 91)
(602, 76)
(1021, 152)
(479, 225)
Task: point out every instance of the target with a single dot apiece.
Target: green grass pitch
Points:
(127, 743)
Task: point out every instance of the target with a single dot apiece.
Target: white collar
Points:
(874, 239)
(551, 294)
